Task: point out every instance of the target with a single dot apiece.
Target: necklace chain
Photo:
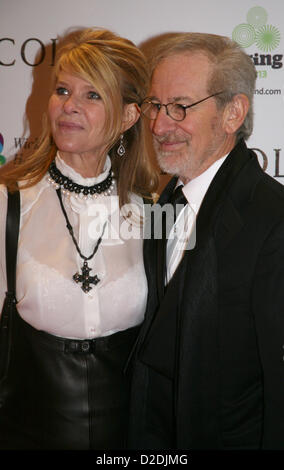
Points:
(58, 180)
(85, 277)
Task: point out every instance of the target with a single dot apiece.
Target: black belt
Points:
(103, 343)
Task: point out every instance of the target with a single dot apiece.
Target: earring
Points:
(121, 149)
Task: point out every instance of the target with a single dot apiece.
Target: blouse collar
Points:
(67, 170)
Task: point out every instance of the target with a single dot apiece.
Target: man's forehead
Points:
(181, 76)
(189, 59)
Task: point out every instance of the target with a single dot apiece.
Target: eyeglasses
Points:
(175, 111)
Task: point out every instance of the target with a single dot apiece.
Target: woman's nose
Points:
(71, 104)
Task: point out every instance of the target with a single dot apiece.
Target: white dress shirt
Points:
(181, 236)
(48, 297)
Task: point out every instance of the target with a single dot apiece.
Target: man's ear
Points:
(235, 113)
(131, 114)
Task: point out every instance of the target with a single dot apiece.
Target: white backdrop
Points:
(29, 28)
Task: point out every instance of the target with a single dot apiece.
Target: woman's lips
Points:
(66, 125)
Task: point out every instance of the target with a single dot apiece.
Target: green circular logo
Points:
(244, 35)
(267, 38)
(2, 158)
(257, 16)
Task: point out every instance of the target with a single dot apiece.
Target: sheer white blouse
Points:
(48, 297)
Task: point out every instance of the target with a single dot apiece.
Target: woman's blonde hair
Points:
(118, 70)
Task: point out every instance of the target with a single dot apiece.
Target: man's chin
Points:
(170, 164)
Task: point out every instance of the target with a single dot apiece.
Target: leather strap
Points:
(12, 235)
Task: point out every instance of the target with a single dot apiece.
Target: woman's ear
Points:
(235, 113)
(131, 114)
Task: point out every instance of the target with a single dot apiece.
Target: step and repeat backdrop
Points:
(30, 30)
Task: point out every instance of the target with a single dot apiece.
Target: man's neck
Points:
(225, 149)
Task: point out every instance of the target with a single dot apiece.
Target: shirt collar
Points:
(196, 188)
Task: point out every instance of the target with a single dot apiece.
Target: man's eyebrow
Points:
(174, 99)
(152, 98)
(182, 98)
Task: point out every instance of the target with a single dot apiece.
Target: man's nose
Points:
(163, 123)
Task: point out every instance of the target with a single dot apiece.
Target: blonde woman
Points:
(80, 289)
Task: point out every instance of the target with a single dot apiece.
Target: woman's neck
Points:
(87, 166)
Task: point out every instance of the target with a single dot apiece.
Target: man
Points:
(208, 368)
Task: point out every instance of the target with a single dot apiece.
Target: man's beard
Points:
(184, 162)
(173, 163)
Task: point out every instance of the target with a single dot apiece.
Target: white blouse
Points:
(48, 297)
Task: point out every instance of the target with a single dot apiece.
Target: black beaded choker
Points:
(58, 180)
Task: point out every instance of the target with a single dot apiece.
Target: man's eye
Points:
(61, 91)
(92, 95)
(179, 107)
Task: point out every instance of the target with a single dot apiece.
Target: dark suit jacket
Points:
(211, 349)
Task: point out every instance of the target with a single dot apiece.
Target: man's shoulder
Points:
(270, 192)
(275, 185)
(252, 183)
(265, 204)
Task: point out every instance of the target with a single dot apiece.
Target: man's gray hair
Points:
(233, 70)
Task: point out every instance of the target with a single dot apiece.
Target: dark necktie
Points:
(178, 201)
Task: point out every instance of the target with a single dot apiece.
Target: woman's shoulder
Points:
(150, 198)
(29, 195)
(3, 192)
(135, 198)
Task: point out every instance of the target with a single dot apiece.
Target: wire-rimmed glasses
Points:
(176, 111)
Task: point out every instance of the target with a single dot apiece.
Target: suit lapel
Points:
(219, 196)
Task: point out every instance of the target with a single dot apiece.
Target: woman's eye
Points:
(92, 95)
(61, 91)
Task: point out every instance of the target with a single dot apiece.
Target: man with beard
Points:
(208, 370)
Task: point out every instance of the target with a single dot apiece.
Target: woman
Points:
(80, 285)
